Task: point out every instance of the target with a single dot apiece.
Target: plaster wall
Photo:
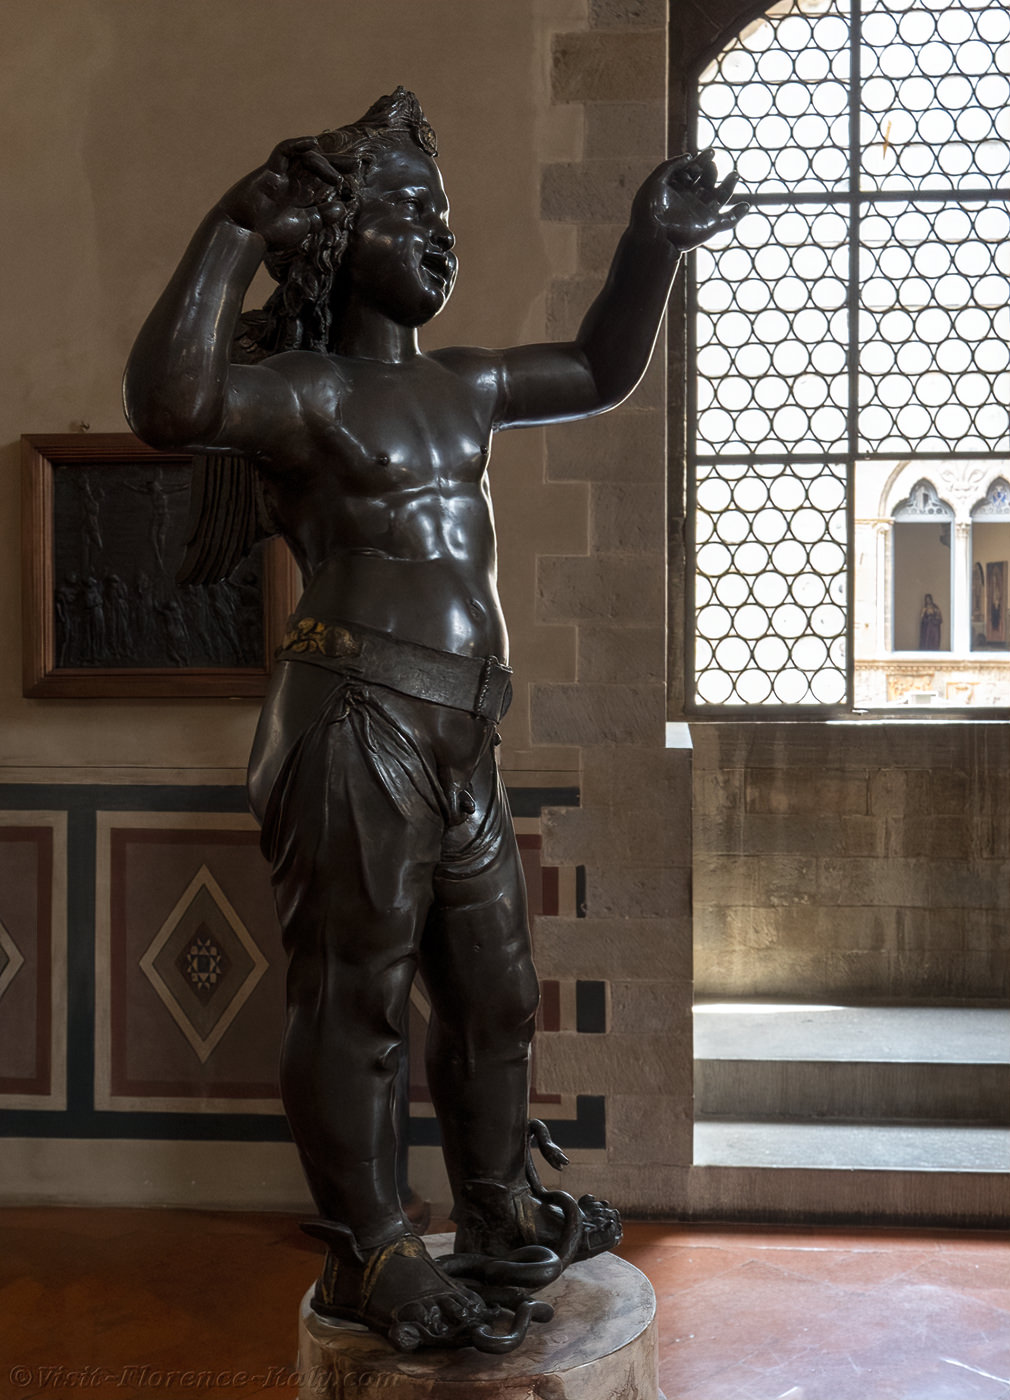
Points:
(124, 122)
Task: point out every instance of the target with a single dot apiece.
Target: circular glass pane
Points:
(732, 654)
(714, 495)
(791, 687)
(732, 526)
(753, 687)
(751, 558)
(828, 687)
(808, 590)
(770, 525)
(770, 590)
(789, 620)
(810, 653)
(732, 590)
(788, 493)
(771, 653)
(714, 687)
(751, 621)
(713, 559)
(827, 557)
(714, 622)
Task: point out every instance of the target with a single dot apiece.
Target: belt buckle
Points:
(492, 690)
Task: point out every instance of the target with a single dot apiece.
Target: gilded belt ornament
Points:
(306, 635)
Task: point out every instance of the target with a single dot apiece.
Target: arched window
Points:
(990, 553)
(859, 315)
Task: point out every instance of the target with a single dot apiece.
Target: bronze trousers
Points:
(381, 870)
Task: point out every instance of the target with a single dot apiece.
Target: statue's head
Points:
(299, 314)
(391, 121)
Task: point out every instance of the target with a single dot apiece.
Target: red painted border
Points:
(41, 1083)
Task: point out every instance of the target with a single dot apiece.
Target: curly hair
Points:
(299, 314)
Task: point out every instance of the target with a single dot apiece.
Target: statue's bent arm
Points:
(679, 206)
(602, 365)
(180, 389)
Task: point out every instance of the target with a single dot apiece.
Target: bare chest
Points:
(390, 432)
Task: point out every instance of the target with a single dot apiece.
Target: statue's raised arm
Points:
(680, 205)
(181, 388)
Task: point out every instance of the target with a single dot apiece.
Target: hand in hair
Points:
(292, 195)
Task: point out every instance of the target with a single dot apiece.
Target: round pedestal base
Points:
(602, 1341)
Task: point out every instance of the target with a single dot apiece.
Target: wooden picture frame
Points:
(104, 522)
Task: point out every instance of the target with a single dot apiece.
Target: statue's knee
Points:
(511, 1006)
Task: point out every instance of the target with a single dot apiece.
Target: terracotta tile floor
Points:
(90, 1298)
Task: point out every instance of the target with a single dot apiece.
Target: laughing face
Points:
(399, 258)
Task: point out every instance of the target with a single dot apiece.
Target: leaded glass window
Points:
(858, 317)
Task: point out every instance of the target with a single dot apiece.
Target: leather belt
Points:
(480, 685)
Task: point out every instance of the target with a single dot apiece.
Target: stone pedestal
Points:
(602, 1342)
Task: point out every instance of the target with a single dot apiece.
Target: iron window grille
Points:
(860, 312)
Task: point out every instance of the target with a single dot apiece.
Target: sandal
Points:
(399, 1291)
(499, 1221)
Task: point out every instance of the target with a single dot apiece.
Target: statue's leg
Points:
(479, 972)
(355, 839)
(352, 883)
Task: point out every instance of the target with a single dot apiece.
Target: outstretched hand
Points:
(298, 189)
(683, 199)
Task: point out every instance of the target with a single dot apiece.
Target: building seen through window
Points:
(849, 347)
(932, 544)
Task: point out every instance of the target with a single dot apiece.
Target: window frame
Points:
(851, 200)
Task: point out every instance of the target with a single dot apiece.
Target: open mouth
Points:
(439, 266)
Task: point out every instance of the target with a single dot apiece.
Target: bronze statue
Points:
(373, 771)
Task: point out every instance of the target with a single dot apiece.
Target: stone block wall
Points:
(863, 862)
(853, 861)
(631, 834)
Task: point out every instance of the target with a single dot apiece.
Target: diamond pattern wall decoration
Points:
(203, 963)
(11, 960)
(189, 968)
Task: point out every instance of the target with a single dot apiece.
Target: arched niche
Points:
(990, 553)
(921, 573)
